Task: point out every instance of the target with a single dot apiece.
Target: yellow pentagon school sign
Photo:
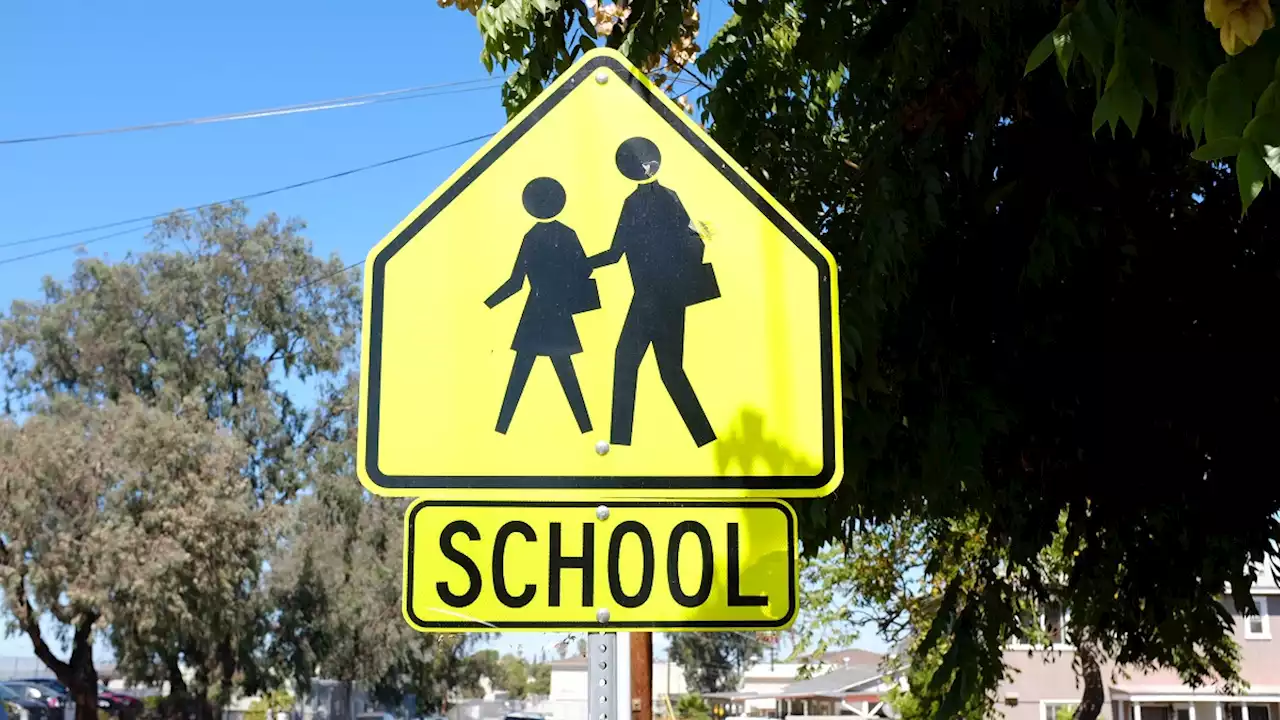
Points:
(600, 302)
(697, 565)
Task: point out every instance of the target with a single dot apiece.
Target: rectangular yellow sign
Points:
(689, 565)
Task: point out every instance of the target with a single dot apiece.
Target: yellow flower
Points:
(1240, 22)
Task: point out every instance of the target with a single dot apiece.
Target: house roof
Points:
(573, 663)
(834, 682)
(851, 656)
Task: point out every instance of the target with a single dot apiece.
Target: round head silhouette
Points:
(638, 159)
(543, 198)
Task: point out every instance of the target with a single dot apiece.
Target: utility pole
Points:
(641, 676)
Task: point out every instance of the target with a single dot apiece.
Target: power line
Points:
(146, 220)
(59, 248)
(384, 96)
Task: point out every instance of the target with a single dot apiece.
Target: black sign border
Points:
(426, 626)
(781, 483)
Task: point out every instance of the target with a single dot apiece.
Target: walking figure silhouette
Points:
(664, 255)
(560, 286)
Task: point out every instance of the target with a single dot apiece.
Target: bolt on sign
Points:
(600, 302)
(546, 565)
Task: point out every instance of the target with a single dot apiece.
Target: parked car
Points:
(28, 708)
(118, 703)
(50, 692)
(50, 697)
(109, 700)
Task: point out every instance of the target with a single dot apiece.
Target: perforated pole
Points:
(602, 676)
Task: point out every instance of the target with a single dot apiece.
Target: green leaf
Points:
(1217, 149)
(1129, 104)
(1039, 54)
(587, 26)
(1264, 131)
(1271, 156)
(1252, 173)
(1269, 98)
(1228, 109)
(1086, 35)
(1064, 47)
(1106, 112)
(1119, 70)
(1196, 119)
(1256, 65)
(1146, 77)
(1104, 16)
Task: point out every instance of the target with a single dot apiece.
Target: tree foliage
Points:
(1038, 321)
(713, 661)
(692, 706)
(110, 513)
(222, 314)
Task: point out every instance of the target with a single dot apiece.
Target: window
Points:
(1256, 712)
(1258, 627)
(1060, 710)
(1156, 712)
(1055, 623)
(1052, 619)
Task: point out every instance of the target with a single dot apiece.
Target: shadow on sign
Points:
(749, 447)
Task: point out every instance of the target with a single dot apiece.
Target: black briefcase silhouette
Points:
(584, 296)
(704, 286)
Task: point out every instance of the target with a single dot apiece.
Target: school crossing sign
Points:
(600, 303)
(534, 565)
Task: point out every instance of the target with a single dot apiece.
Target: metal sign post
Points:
(602, 676)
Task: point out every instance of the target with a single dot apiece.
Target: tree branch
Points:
(81, 644)
(29, 621)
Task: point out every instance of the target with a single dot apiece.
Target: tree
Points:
(437, 669)
(1038, 320)
(513, 676)
(108, 510)
(336, 579)
(713, 661)
(540, 680)
(265, 708)
(692, 707)
(242, 317)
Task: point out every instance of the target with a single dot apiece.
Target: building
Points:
(848, 691)
(1045, 683)
(762, 693)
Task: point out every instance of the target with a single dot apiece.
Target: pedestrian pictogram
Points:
(699, 565)
(600, 299)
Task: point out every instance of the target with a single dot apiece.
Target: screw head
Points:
(602, 447)
(602, 512)
(602, 77)
(602, 615)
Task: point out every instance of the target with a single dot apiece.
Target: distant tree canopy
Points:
(1040, 319)
(713, 661)
(177, 471)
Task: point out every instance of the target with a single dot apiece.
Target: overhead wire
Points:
(384, 96)
(147, 219)
(139, 223)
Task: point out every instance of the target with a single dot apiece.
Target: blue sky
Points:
(74, 66)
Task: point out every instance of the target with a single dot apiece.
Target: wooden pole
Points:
(641, 676)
